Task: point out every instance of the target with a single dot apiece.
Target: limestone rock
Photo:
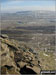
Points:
(17, 58)
(4, 36)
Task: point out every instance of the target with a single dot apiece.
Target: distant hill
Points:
(28, 18)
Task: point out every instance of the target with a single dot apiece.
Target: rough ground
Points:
(17, 58)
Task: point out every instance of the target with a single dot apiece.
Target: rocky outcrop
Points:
(17, 58)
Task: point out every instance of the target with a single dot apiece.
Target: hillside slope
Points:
(17, 58)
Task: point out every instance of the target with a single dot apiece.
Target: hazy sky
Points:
(22, 5)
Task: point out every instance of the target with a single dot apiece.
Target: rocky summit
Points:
(17, 58)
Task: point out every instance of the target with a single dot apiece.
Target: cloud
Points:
(22, 5)
(23, 8)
